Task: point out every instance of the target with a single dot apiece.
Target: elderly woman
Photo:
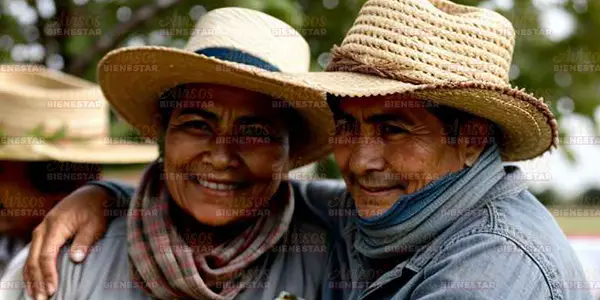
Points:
(213, 217)
(423, 123)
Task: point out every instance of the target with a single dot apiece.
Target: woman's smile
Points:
(217, 187)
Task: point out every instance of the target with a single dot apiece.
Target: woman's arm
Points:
(84, 215)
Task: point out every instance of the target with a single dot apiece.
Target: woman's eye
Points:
(198, 125)
(391, 129)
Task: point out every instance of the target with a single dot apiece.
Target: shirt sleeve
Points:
(322, 198)
(12, 286)
(104, 274)
(121, 196)
(482, 266)
(118, 190)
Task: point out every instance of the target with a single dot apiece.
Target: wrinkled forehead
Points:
(219, 100)
(380, 104)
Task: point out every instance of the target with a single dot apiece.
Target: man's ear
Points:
(475, 135)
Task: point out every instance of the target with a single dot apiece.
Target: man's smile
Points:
(378, 184)
(379, 189)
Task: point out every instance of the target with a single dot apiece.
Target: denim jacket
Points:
(507, 246)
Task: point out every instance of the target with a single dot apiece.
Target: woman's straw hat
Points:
(230, 46)
(455, 55)
(49, 115)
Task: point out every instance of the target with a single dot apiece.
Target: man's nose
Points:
(367, 156)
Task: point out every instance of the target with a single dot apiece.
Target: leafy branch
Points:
(40, 132)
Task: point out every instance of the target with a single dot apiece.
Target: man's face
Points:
(387, 147)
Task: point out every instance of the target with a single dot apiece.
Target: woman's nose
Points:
(222, 156)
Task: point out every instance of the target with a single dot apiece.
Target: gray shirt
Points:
(9, 247)
(297, 265)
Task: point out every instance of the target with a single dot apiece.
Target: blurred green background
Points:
(557, 54)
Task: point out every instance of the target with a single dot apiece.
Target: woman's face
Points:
(224, 150)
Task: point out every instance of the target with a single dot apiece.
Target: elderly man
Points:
(51, 143)
(425, 116)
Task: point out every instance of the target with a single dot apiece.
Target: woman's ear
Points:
(474, 136)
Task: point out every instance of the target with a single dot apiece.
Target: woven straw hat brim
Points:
(46, 79)
(80, 152)
(47, 85)
(529, 127)
(134, 93)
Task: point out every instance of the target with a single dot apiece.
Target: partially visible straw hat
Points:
(455, 55)
(49, 115)
(231, 46)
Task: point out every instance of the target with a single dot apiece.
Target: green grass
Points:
(580, 226)
(574, 220)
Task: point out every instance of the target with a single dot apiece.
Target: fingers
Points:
(80, 213)
(87, 236)
(32, 273)
(50, 250)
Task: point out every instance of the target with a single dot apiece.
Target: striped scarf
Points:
(164, 266)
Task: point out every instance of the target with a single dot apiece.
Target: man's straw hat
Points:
(455, 55)
(230, 46)
(49, 115)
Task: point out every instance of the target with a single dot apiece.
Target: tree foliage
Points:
(546, 66)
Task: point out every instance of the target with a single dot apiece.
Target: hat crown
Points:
(252, 32)
(427, 42)
(48, 104)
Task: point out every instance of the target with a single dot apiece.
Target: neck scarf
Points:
(415, 219)
(164, 266)
(409, 205)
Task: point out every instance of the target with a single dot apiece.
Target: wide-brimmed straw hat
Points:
(49, 115)
(237, 47)
(451, 54)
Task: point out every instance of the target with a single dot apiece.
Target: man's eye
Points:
(390, 129)
(255, 131)
(345, 126)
